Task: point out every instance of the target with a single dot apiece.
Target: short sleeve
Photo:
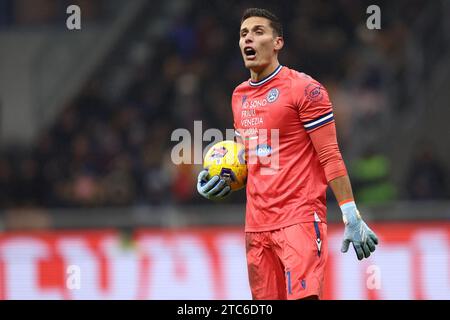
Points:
(314, 105)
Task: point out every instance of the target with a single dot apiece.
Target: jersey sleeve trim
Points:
(319, 121)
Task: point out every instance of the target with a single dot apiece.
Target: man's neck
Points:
(258, 75)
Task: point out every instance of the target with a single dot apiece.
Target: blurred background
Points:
(86, 118)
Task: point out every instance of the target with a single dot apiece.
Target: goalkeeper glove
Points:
(357, 232)
(214, 188)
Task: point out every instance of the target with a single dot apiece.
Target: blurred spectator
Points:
(426, 178)
(6, 176)
(371, 178)
(6, 13)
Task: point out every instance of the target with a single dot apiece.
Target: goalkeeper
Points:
(285, 225)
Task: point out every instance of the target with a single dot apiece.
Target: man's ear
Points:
(279, 43)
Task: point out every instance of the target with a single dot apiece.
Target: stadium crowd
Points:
(102, 153)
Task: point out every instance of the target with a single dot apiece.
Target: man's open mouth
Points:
(250, 53)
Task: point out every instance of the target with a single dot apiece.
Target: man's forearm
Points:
(342, 188)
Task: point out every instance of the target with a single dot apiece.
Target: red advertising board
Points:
(411, 262)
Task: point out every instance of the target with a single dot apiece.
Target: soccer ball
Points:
(227, 160)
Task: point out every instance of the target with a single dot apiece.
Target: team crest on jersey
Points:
(314, 92)
(273, 95)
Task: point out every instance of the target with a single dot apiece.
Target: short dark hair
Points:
(275, 23)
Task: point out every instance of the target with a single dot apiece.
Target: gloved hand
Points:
(213, 189)
(357, 232)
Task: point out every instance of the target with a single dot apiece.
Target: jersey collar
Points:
(266, 79)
